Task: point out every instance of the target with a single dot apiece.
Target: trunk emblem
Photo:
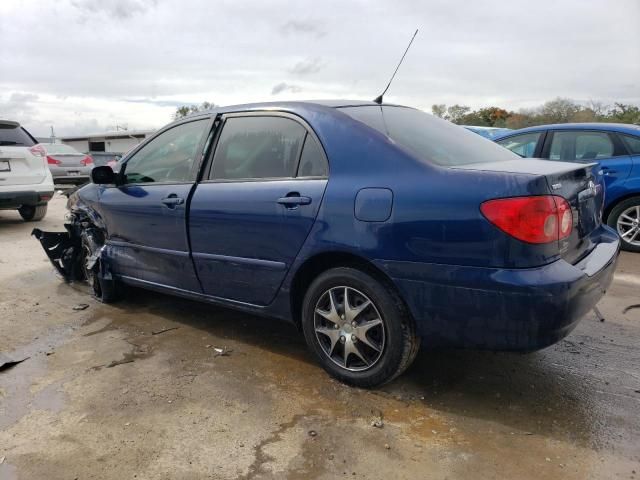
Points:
(556, 186)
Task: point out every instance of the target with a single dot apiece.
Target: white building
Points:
(116, 143)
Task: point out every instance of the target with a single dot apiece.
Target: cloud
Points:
(285, 87)
(19, 105)
(119, 9)
(307, 66)
(306, 27)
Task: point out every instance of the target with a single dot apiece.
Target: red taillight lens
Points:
(53, 161)
(540, 219)
(86, 161)
(38, 150)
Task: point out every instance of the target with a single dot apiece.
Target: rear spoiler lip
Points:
(526, 166)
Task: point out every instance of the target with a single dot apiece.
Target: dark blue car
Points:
(614, 147)
(372, 228)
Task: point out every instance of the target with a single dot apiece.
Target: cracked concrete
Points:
(102, 397)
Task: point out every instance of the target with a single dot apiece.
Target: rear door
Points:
(250, 216)
(146, 216)
(586, 146)
(18, 166)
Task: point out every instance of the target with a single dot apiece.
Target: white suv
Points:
(25, 180)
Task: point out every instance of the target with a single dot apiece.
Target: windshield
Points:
(53, 148)
(429, 138)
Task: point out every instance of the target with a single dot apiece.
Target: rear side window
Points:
(258, 147)
(10, 135)
(632, 143)
(579, 145)
(524, 144)
(427, 138)
(312, 162)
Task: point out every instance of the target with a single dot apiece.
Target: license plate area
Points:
(5, 166)
(73, 173)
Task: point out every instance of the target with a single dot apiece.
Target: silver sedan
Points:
(67, 165)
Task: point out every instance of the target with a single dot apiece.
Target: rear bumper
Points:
(504, 309)
(13, 200)
(70, 174)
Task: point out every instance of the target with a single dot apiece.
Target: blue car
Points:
(488, 132)
(372, 228)
(615, 148)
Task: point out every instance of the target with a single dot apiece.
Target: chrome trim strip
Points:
(270, 264)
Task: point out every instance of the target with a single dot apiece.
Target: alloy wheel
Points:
(349, 328)
(628, 225)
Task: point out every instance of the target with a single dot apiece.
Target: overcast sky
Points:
(88, 65)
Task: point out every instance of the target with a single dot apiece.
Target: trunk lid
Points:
(578, 184)
(18, 166)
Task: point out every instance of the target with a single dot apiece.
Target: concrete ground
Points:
(101, 396)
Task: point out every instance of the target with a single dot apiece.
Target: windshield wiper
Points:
(8, 142)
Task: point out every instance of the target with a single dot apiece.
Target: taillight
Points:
(540, 219)
(86, 161)
(53, 161)
(38, 150)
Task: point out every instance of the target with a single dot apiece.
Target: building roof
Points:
(110, 135)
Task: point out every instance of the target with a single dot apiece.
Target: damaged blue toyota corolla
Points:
(372, 227)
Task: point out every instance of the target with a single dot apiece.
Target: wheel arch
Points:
(321, 262)
(618, 201)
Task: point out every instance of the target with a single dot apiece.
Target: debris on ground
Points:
(1, 460)
(119, 362)
(387, 446)
(598, 314)
(222, 352)
(313, 433)
(378, 423)
(81, 306)
(168, 329)
(631, 307)
(6, 363)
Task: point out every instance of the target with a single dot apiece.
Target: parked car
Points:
(25, 181)
(615, 148)
(487, 132)
(67, 165)
(371, 227)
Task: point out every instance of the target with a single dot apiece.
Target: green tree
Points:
(439, 110)
(185, 110)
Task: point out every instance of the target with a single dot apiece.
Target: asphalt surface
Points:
(156, 387)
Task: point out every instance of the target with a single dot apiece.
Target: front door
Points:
(145, 217)
(249, 219)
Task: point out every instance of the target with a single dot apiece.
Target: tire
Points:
(104, 290)
(394, 336)
(32, 213)
(627, 212)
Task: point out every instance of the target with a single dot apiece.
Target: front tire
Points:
(105, 290)
(32, 213)
(625, 219)
(358, 327)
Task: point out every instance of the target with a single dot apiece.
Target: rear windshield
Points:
(53, 148)
(429, 138)
(10, 135)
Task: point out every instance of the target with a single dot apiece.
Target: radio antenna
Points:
(378, 99)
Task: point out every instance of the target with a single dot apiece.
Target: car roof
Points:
(300, 105)
(609, 127)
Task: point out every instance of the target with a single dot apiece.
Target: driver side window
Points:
(167, 158)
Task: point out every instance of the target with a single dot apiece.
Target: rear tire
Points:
(384, 349)
(32, 213)
(625, 217)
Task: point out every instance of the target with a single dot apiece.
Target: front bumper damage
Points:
(64, 251)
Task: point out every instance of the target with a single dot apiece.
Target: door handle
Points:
(607, 171)
(172, 200)
(293, 200)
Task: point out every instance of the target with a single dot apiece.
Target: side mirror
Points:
(103, 175)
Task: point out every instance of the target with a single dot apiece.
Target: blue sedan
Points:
(372, 228)
(615, 148)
